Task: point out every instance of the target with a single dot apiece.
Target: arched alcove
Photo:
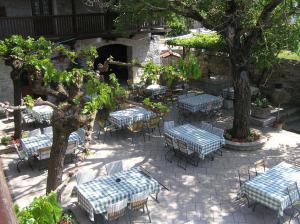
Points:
(120, 53)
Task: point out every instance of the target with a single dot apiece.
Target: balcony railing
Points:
(61, 26)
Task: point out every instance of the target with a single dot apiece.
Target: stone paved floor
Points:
(204, 194)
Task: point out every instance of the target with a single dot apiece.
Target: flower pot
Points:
(260, 112)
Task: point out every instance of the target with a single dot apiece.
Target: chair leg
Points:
(148, 213)
(29, 164)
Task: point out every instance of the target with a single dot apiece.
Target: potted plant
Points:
(280, 96)
(261, 108)
(5, 140)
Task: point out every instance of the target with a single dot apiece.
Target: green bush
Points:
(261, 102)
(179, 25)
(43, 210)
(189, 68)
(210, 42)
(5, 140)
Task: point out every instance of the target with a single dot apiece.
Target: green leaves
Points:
(189, 68)
(29, 101)
(43, 210)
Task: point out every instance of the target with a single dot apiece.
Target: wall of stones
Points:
(286, 73)
(6, 86)
(141, 47)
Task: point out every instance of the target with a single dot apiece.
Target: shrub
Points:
(261, 102)
(5, 140)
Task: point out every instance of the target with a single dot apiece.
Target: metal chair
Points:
(22, 157)
(85, 175)
(43, 154)
(34, 132)
(114, 167)
(206, 126)
(294, 197)
(169, 146)
(137, 202)
(152, 124)
(168, 125)
(71, 149)
(258, 165)
(106, 128)
(48, 130)
(218, 131)
(185, 154)
(136, 128)
(116, 211)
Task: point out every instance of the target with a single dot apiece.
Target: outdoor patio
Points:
(203, 194)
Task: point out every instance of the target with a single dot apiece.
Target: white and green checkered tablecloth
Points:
(270, 188)
(156, 89)
(123, 118)
(198, 140)
(42, 113)
(31, 145)
(202, 102)
(96, 195)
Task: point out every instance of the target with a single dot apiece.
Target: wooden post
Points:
(7, 214)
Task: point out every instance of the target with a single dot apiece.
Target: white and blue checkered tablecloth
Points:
(31, 145)
(123, 118)
(270, 188)
(42, 113)
(198, 140)
(156, 89)
(202, 102)
(94, 196)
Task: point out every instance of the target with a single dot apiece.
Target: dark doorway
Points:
(119, 53)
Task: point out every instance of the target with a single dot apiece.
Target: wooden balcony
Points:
(69, 26)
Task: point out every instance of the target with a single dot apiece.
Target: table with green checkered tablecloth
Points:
(270, 188)
(198, 140)
(94, 196)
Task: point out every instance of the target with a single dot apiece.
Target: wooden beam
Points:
(7, 214)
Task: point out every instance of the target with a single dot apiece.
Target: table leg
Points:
(98, 219)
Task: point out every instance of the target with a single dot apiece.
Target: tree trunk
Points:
(57, 156)
(89, 131)
(242, 101)
(17, 102)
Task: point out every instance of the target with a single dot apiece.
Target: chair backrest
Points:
(44, 153)
(114, 167)
(218, 131)
(293, 192)
(168, 140)
(21, 153)
(138, 200)
(206, 126)
(169, 125)
(259, 164)
(244, 175)
(34, 132)
(182, 146)
(48, 130)
(136, 126)
(85, 175)
(116, 210)
(71, 148)
(81, 134)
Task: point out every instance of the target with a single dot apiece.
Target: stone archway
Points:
(120, 53)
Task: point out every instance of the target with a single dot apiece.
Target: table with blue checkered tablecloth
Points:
(198, 140)
(123, 118)
(156, 89)
(31, 145)
(94, 196)
(201, 102)
(270, 188)
(42, 113)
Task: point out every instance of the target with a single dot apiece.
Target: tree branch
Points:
(262, 22)
(40, 102)
(7, 106)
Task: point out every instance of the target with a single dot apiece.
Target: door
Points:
(43, 22)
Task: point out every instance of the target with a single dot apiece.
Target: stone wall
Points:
(286, 73)
(141, 47)
(6, 86)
